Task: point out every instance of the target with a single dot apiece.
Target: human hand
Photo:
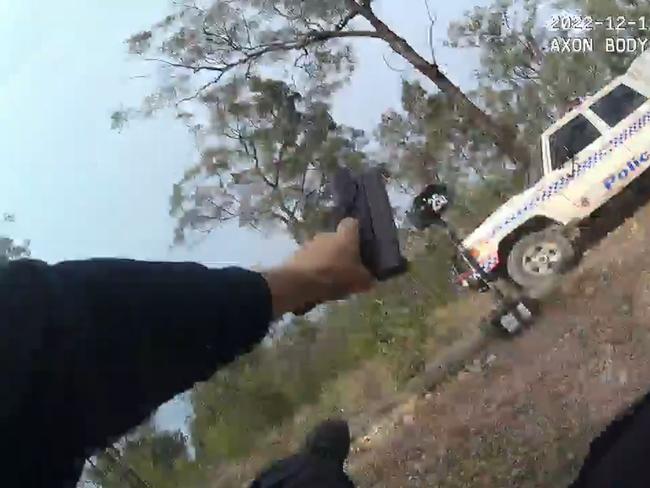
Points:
(326, 268)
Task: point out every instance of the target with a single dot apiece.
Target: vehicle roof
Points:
(643, 59)
(584, 105)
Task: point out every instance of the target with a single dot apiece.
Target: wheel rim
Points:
(542, 258)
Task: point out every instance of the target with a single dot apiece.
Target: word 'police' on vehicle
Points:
(632, 165)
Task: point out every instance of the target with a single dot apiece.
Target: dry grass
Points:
(367, 393)
(527, 418)
(522, 412)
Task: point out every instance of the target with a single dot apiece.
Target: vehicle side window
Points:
(570, 139)
(618, 104)
(535, 171)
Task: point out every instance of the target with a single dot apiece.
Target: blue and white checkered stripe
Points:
(579, 168)
(490, 263)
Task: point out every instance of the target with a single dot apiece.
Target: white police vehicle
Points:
(588, 156)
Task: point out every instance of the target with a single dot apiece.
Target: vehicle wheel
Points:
(537, 259)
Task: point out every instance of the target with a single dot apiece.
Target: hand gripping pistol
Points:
(363, 196)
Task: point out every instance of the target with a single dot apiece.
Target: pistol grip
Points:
(365, 198)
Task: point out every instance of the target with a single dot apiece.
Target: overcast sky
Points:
(80, 190)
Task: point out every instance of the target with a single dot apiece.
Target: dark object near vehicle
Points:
(510, 314)
(319, 464)
(429, 206)
(428, 210)
(364, 197)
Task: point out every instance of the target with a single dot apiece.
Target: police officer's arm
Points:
(108, 341)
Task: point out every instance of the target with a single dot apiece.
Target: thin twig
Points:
(390, 67)
(200, 90)
(310, 38)
(192, 7)
(186, 66)
(432, 22)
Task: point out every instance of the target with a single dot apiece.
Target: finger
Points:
(348, 228)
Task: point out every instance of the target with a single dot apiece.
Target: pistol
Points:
(363, 196)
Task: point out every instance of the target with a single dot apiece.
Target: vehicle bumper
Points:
(467, 277)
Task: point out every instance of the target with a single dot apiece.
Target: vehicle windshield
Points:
(570, 139)
(618, 104)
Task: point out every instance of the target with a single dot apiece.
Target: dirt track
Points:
(524, 412)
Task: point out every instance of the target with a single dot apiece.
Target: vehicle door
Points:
(573, 151)
(620, 115)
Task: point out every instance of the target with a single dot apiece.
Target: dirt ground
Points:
(524, 411)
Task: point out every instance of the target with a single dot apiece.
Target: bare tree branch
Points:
(252, 153)
(345, 21)
(192, 7)
(284, 219)
(290, 215)
(200, 90)
(397, 70)
(308, 39)
(303, 55)
(279, 162)
(504, 136)
(432, 23)
(253, 54)
(186, 66)
(304, 179)
(299, 17)
(397, 43)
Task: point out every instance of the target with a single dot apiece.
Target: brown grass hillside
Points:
(494, 412)
(524, 411)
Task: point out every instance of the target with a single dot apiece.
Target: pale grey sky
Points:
(80, 190)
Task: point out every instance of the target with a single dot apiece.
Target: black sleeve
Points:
(89, 348)
(618, 456)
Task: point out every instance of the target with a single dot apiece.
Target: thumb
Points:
(348, 229)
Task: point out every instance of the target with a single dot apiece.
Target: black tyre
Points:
(537, 259)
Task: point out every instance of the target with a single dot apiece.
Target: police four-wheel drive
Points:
(588, 156)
